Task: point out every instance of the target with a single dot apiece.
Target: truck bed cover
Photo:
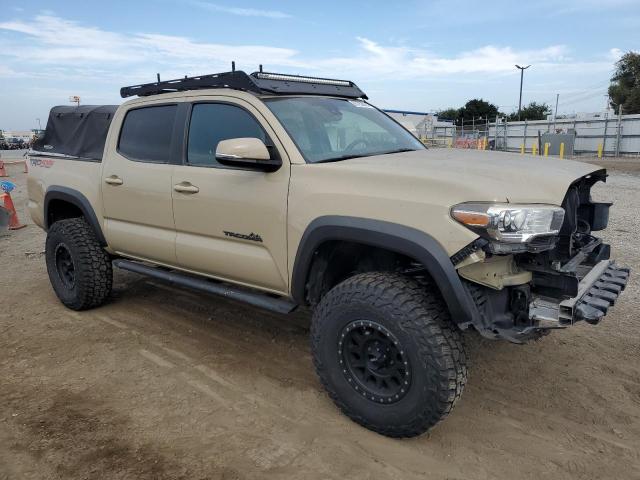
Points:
(78, 132)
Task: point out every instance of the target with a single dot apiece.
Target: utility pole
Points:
(555, 115)
(522, 69)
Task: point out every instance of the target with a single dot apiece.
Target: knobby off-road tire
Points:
(424, 351)
(79, 269)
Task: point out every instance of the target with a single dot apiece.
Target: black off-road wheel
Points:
(387, 353)
(79, 269)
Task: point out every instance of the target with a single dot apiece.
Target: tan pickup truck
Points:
(284, 191)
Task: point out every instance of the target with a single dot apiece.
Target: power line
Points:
(584, 98)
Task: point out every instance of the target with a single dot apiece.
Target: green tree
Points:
(625, 84)
(533, 111)
(478, 108)
(449, 114)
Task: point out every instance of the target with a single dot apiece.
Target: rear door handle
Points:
(113, 180)
(185, 187)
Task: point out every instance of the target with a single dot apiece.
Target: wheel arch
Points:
(58, 197)
(393, 237)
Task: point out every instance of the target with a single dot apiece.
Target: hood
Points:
(473, 175)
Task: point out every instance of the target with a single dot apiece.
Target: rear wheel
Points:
(387, 353)
(79, 269)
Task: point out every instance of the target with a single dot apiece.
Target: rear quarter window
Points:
(146, 133)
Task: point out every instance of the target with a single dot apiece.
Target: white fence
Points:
(608, 135)
(612, 135)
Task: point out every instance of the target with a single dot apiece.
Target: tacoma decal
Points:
(254, 237)
(41, 162)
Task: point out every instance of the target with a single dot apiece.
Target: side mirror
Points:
(246, 152)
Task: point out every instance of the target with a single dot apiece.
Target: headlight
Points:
(510, 223)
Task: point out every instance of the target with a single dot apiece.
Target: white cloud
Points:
(6, 71)
(69, 48)
(244, 12)
(184, 50)
(67, 42)
(615, 54)
(54, 40)
(73, 47)
(406, 62)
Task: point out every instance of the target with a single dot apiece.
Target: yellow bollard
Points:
(546, 149)
(561, 150)
(534, 149)
(522, 149)
(600, 146)
(484, 146)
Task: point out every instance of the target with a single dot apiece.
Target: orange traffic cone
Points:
(14, 223)
(3, 170)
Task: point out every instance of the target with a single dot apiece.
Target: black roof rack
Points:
(257, 82)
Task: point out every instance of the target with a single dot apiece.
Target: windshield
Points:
(332, 129)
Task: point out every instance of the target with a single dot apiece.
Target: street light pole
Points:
(555, 114)
(522, 69)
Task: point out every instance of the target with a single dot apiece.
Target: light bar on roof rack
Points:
(283, 84)
(303, 79)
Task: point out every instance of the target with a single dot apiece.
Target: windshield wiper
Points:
(347, 157)
(400, 150)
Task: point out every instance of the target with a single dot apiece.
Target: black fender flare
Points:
(391, 236)
(74, 197)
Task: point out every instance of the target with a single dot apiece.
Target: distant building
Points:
(586, 115)
(421, 124)
(11, 136)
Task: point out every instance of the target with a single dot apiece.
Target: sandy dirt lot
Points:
(163, 383)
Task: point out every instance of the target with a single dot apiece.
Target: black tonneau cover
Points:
(76, 131)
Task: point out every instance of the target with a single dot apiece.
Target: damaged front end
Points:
(558, 275)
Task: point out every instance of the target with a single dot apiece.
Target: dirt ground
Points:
(163, 383)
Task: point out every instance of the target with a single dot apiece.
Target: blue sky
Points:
(414, 55)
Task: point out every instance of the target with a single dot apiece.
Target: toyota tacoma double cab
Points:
(284, 191)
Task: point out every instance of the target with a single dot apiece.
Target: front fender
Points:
(408, 241)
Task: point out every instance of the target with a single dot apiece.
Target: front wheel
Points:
(79, 269)
(387, 353)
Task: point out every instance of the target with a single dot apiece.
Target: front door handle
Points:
(186, 187)
(113, 180)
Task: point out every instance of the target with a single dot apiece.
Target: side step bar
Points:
(261, 300)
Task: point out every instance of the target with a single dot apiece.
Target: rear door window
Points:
(146, 133)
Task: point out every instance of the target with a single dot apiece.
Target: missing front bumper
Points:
(597, 292)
